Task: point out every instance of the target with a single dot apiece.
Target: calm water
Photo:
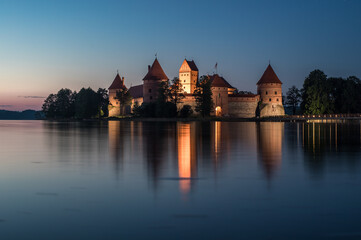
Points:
(156, 180)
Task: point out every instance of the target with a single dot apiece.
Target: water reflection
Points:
(322, 142)
(187, 154)
(269, 138)
(187, 151)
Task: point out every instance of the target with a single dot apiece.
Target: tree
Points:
(186, 111)
(176, 92)
(60, 105)
(103, 101)
(203, 95)
(163, 92)
(64, 103)
(293, 98)
(48, 107)
(124, 98)
(86, 104)
(316, 94)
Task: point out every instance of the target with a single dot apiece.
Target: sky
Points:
(48, 45)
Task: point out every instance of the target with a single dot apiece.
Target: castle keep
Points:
(227, 101)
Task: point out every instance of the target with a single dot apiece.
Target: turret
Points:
(269, 87)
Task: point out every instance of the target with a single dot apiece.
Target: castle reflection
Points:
(270, 138)
(187, 154)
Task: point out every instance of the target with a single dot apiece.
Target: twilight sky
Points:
(47, 45)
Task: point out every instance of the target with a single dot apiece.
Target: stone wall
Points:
(268, 110)
(243, 109)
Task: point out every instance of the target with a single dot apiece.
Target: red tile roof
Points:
(192, 65)
(218, 81)
(117, 83)
(155, 72)
(136, 91)
(269, 76)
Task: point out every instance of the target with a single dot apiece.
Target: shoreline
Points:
(294, 118)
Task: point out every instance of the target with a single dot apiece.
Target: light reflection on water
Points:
(195, 180)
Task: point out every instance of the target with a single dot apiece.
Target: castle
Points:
(227, 102)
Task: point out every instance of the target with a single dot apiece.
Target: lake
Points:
(180, 180)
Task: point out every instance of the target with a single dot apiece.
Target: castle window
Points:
(184, 80)
(150, 90)
(219, 95)
(266, 93)
(150, 97)
(276, 93)
(277, 99)
(269, 99)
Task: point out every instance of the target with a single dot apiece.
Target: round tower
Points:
(269, 87)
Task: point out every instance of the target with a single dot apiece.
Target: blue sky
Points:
(47, 45)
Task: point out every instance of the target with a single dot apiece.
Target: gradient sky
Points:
(47, 45)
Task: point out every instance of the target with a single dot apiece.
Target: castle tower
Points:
(188, 75)
(117, 85)
(269, 87)
(220, 89)
(152, 80)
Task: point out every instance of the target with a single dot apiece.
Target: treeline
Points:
(85, 104)
(326, 95)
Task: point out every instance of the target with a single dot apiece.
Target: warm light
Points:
(184, 155)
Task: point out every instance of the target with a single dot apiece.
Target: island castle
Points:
(227, 101)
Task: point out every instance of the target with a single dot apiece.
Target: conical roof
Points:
(218, 81)
(117, 83)
(269, 76)
(155, 72)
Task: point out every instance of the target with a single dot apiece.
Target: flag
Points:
(215, 66)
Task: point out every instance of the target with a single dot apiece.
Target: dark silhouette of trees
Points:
(322, 95)
(124, 98)
(103, 99)
(86, 104)
(203, 95)
(315, 94)
(67, 104)
(293, 98)
(176, 91)
(186, 111)
(60, 105)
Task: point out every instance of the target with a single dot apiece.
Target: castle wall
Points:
(243, 107)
